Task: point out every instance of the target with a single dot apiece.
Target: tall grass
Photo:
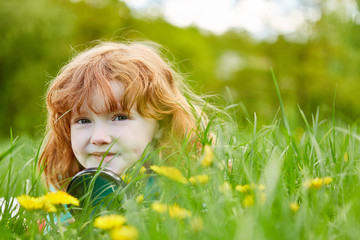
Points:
(277, 161)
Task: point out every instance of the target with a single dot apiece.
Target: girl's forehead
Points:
(117, 88)
(99, 100)
(87, 109)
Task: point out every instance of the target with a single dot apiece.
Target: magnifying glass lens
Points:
(105, 184)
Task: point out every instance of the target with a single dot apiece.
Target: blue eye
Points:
(82, 121)
(121, 117)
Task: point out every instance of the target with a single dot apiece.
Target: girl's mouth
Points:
(100, 156)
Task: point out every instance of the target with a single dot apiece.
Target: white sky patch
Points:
(261, 18)
(138, 4)
(347, 8)
(205, 14)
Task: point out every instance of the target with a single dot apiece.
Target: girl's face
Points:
(124, 137)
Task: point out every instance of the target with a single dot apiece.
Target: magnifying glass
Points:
(105, 185)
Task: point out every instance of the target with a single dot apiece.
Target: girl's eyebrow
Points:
(76, 113)
(79, 112)
(123, 111)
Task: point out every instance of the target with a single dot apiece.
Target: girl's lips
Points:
(100, 156)
(101, 153)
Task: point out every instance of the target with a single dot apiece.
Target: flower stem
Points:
(60, 226)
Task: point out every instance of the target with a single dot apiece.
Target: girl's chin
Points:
(115, 169)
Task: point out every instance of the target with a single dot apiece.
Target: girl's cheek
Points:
(77, 139)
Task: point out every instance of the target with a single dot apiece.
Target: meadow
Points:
(285, 172)
(276, 181)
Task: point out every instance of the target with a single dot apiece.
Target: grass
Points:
(281, 160)
(258, 187)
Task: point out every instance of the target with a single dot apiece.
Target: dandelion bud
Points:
(294, 207)
(208, 156)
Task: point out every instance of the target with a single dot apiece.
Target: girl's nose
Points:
(100, 137)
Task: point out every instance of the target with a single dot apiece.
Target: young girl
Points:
(113, 100)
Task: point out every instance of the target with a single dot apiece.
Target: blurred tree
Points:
(38, 37)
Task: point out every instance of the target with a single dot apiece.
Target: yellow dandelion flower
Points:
(30, 203)
(317, 182)
(126, 178)
(243, 188)
(248, 201)
(140, 198)
(61, 197)
(208, 156)
(226, 187)
(327, 180)
(142, 170)
(170, 172)
(262, 198)
(48, 206)
(202, 179)
(33, 203)
(159, 207)
(294, 207)
(124, 233)
(179, 213)
(109, 221)
(346, 157)
(197, 224)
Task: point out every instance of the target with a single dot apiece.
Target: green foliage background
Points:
(38, 37)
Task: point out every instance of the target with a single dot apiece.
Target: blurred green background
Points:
(38, 37)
